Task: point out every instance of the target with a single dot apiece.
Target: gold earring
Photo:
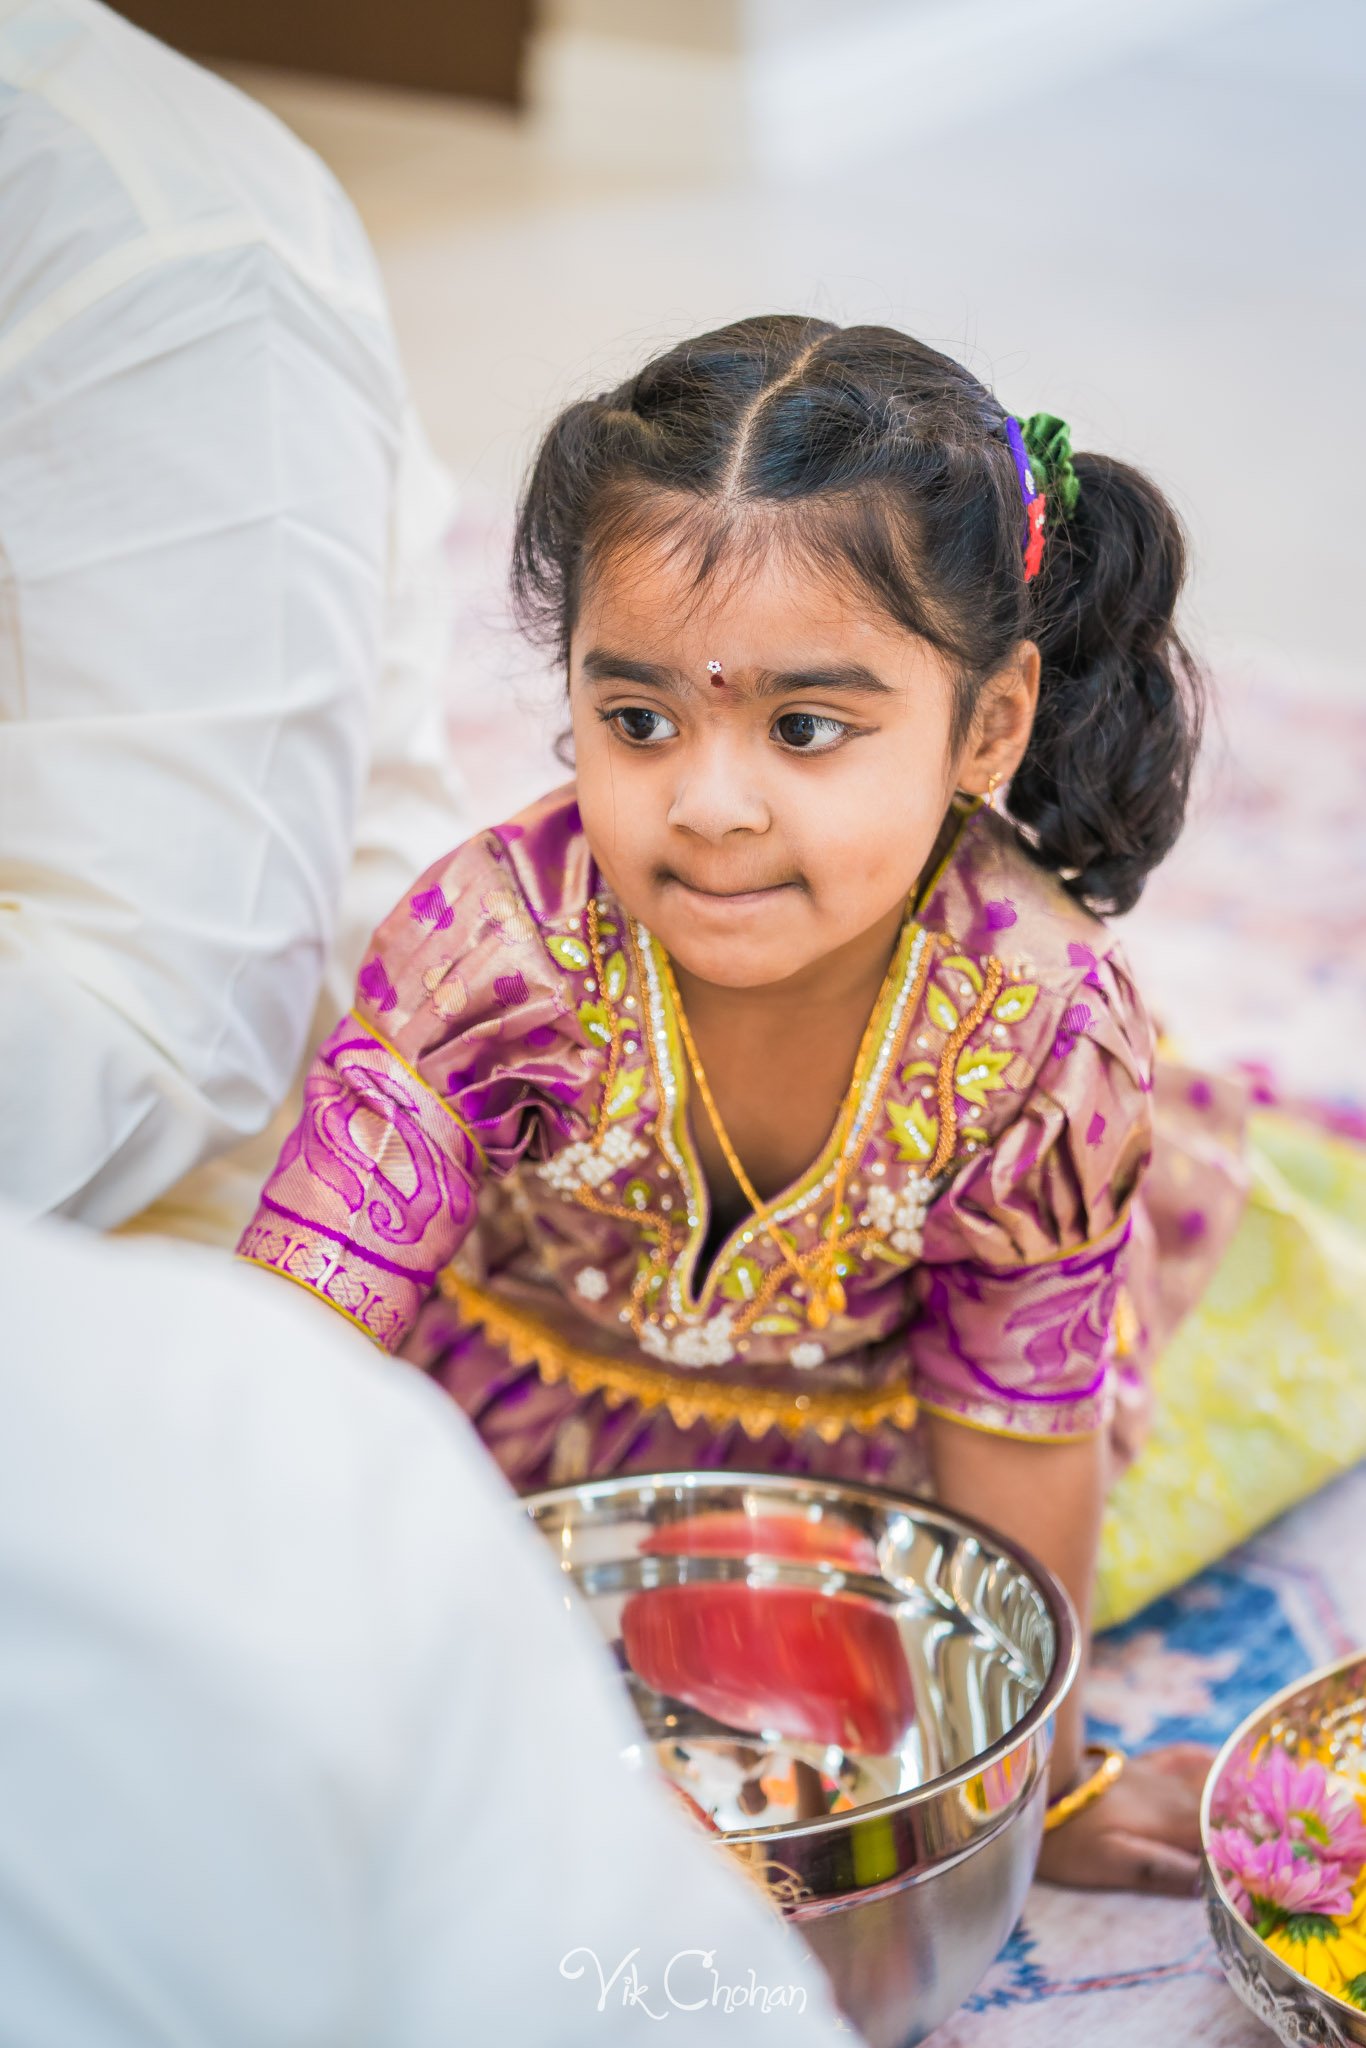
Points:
(984, 797)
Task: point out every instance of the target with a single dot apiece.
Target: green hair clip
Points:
(1049, 441)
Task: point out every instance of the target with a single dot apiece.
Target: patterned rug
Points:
(1251, 943)
(1128, 1972)
(1251, 939)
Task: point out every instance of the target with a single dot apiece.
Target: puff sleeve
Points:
(1025, 1253)
(461, 1056)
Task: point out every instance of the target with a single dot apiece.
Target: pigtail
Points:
(1103, 786)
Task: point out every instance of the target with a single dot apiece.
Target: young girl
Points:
(774, 1096)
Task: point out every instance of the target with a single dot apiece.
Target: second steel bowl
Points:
(1324, 1713)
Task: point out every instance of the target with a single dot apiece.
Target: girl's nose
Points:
(715, 795)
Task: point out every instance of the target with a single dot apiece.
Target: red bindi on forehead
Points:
(717, 675)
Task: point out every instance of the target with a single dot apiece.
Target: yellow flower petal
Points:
(1349, 1949)
(1319, 1967)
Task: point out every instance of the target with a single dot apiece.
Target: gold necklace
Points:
(817, 1271)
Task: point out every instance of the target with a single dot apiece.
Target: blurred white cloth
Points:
(223, 614)
(300, 1739)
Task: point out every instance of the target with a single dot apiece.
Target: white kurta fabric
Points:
(300, 1740)
(222, 613)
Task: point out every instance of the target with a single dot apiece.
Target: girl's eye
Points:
(641, 726)
(808, 734)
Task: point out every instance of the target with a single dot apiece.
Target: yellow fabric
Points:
(1261, 1395)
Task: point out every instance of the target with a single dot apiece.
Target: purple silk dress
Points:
(495, 1175)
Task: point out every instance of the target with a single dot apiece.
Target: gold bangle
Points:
(1090, 1789)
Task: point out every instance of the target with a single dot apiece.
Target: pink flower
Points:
(1233, 1805)
(1228, 1848)
(1275, 1877)
(1302, 1804)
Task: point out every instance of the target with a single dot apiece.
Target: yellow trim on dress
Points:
(688, 1400)
(426, 1086)
(296, 1280)
(1018, 1436)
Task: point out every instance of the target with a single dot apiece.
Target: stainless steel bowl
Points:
(1328, 1707)
(858, 1690)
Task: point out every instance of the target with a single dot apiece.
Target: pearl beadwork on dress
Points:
(586, 1164)
(708, 1342)
(900, 1213)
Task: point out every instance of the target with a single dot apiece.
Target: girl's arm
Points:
(455, 1060)
(1049, 1497)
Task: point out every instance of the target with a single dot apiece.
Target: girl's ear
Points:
(1001, 723)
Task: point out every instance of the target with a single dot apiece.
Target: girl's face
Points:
(758, 826)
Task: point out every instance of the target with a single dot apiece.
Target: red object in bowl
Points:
(729, 1532)
(817, 1667)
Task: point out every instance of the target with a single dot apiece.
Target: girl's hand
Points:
(1143, 1835)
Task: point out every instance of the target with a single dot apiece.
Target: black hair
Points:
(888, 462)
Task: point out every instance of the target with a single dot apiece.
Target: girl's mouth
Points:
(737, 899)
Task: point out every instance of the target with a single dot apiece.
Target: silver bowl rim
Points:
(1240, 1734)
(1057, 1685)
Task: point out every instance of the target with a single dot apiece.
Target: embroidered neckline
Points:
(902, 990)
(904, 980)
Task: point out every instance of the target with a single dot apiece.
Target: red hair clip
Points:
(1034, 512)
(1035, 502)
